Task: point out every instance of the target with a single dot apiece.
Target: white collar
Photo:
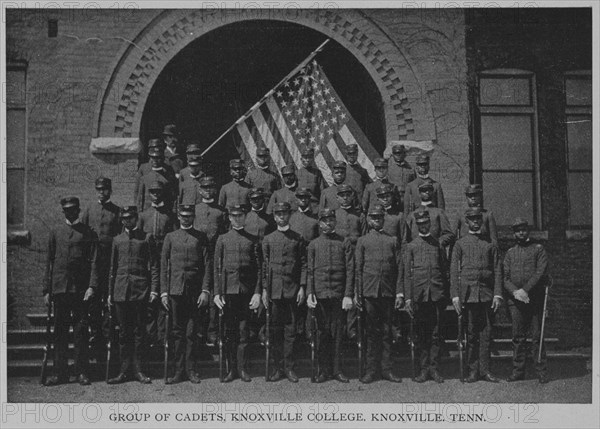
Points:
(158, 169)
(356, 163)
(237, 229)
(156, 206)
(305, 210)
(475, 232)
(105, 202)
(388, 208)
(208, 201)
(283, 228)
(425, 235)
(129, 231)
(188, 227)
(426, 203)
(75, 222)
(260, 209)
(426, 176)
(196, 177)
(263, 168)
(381, 179)
(349, 206)
(292, 186)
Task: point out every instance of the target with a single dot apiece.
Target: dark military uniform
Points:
(71, 268)
(305, 223)
(264, 178)
(211, 219)
(440, 226)
(188, 187)
(259, 223)
(311, 178)
(395, 224)
(329, 198)
(412, 197)
(146, 176)
(234, 193)
(350, 223)
(174, 156)
(488, 227)
(283, 195)
(357, 177)
(400, 174)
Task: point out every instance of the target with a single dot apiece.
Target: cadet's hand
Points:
(219, 301)
(265, 300)
(109, 300)
(311, 301)
(203, 299)
(301, 296)
(153, 297)
(347, 303)
(399, 302)
(456, 304)
(409, 308)
(47, 300)
(88, 294)
(496, 303)
(165, 302)
(521, 295)
(255, 302)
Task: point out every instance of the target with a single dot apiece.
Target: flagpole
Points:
(267, 95)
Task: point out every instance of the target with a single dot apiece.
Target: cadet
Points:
(370, 195)
(288, 192)
(394, 222)
(237, 289)
(356, 175)
(349, 220)
(159, 172)
(235, 192)
(134, 274)
(379, 281)
(474, 195)
(303, 220)
(412, 198)
(284, 253)
(210, 218)
(185, 278)
(189, 181)
(103, 218)
(70, 282)
(309, 176)
(426, 284)
(330, 284)
(174, 156)
(157, 220)
(400, 172)
(525, 279)
(259, 222)
(476, 288)
(262, 176)
(329, 195)
(440, 225)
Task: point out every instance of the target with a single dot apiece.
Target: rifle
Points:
(268, 324)
(167, 327)
(48, 347)
(460, 341)
(111, 328)
(359, 327)
(221, 332)
(314, 364)
(545, 311)
(412, 324)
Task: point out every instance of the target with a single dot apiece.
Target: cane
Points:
(539, 357)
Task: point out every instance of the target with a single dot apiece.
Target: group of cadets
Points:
(304, 250)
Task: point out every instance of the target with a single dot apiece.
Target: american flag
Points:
(303, 111)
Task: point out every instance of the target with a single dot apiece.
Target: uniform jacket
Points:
(440, 226)
(237, 263)
(488, 227)
(283, 195)
(146, 177)
(134, 266)
(104, 220)
(234, 193)
(330, 267)
(175, 159)
(188, 187)
(212, 220)
(186, 268)
(311, 178)
(329, 198)
(158, 221)
(476, 270)
(357, 177)
(400, 175)
(284, 256)
(266, 179)
(395, 224)
(71, 265)
(349, 223)
(412, 197)
(369, 197)
(426, 270)
(525, 267)
(305, 224)
(379, 269)
(260, 223)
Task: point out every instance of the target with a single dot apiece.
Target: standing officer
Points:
(394, 222)
(237, 288)
(189, 181)
(370, 195)
(426, 283)
(474, 195)
(235, 192)
(356, 175)
(476, 289)
(412, 199)
(185, 276)
(329, 195)
(303, 220)
(525, 277)
(159, 172)
(288, 192)
(193, 151)
(259, 222)
(262, 176)
(349, 220)
(70, 282)
(309, 176)
(103, 218)
(330, 284)
(134, 273)
(284, 253)
(174, 156)
(379, 280)
(400, 172)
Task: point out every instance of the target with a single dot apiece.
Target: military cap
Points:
(194, 160)
(380, 162)
(303, 192)
(352, 148)
(282, 207)
(475, 188)
(398, 148)
(288, 169)
(519, 222)
(129, 211)
(67, 202)
(339, 164)
(385, 188)
(170, 130)
(156, 152)
(421, 216)
(156, 186)
(426, 185)
(423, 159)
(308, 152)
(193, 148)
(186, 209)
(156, 143)
(473, 212)
(237, 209)
(103, 183)
(262, 151)
(207, 182)
(256, 193)
(376, 210)
(236, 163)
(325, 213)
(344, 188)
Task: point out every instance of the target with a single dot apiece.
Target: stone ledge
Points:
(578, 234)
(19, 237)
(119, 145)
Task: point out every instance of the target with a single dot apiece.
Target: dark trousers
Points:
(155, 322)
(479, 333)
(132, 333)
(71, 310)
(186, 324)
(379, 334)
(237, 314)
(330, 324)
(526, 316)
(428, 320)
(283, 333)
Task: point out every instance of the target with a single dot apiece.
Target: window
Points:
(508, 148)
(578, 117)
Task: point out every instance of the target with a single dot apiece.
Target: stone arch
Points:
(119, 109)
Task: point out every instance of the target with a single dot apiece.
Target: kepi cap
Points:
(385, 188)
(376, 210)
(256, 193)
(67, 202)
(103, 183)
(426, 185)
(154, 186)
(423, 159)
(170, 130)
(325, 213)
(156, 143)
(193, 148)
(237, 209)
(262, 151)
(282, 207)
(207, 182)
(344, 188)
(186, 209)
(308, 152)
(520, 222)
(156, 152)
(303, 192)
(288, 169)
(380, 162)
(473, 212)
(339, 165)
(194, 160)
(236, 163)
(398, 148)
(352, 148)
(129, 211)
(421, 216)
(474, 188)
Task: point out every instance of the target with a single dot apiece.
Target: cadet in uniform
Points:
(379, 280)
(356, 175)
(159, 172)
(174, 156)
(525, 277)
(400, 172)
(262, 176)
(370, 195)
(288, 192)
(309, 176)
(185, 279)
(235, 192)
(476, 288)
(394, 222)
(330, 284)
(474, 195)
(237, 288)
(189, 181)
(284, 253)
(303, 220)
(349, 221)
(134, 274)
(426, 282)
(412, 199)
(329, 195)
(70, 282)
(440, 225)
(259, 222)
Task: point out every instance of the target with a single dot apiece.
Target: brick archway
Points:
(120, 108)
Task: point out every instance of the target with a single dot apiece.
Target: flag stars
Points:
(291, 93)
(337, 108)
(343, 115)
(287, 113)
(295, 102)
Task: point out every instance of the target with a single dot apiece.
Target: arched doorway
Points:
(215, 79)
